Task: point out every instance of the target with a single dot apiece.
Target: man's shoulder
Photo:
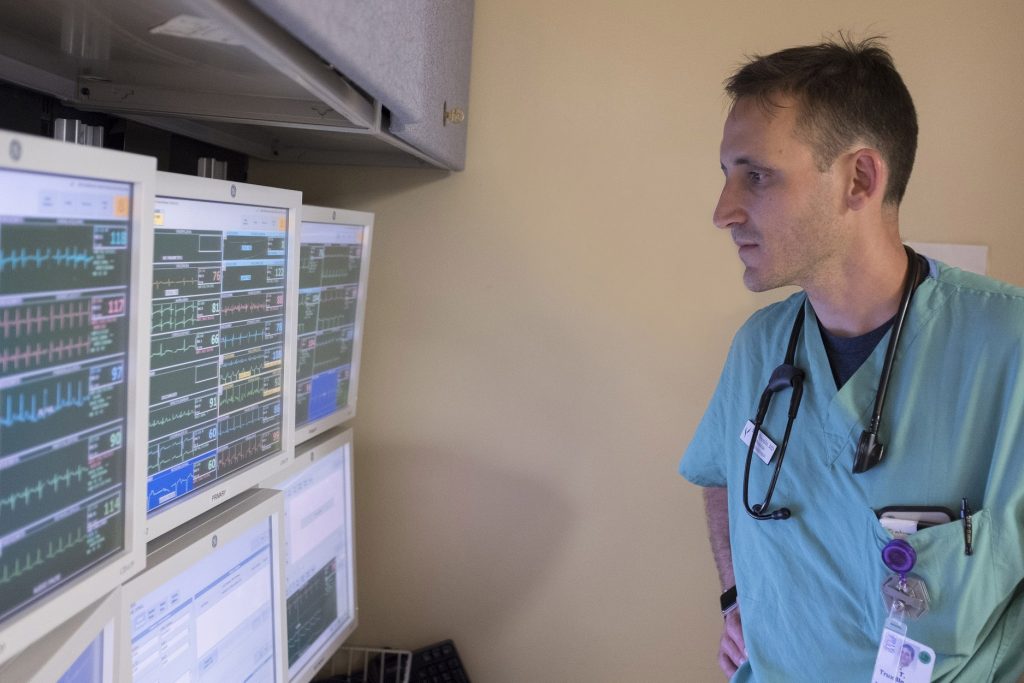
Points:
(969, 282)
(979, 294)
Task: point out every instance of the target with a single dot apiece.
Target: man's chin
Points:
(755, 282)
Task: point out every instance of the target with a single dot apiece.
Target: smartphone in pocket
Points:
(924, 515)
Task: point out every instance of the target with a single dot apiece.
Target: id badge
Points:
(902, 660)
(764, 448)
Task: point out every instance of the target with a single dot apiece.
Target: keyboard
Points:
(437, 663)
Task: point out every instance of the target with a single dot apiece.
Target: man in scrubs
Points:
(817, 151)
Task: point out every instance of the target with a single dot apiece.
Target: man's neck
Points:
(862, 293)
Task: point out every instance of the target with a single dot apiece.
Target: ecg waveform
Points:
(333, 349)
(40, 484)
(182, 414)
(176, 316)
(245, 364)
(55, 552)
(186, 281)
(45, 410)
(246, 392)
(44, 354)
(23, 259)
(323, 264)
(32, 320)
(338, 306)
(42, 553)
(346, 294)
(248, 450)
(47, 257)
(311, 610)
(248, 336)
(43, 335)
(247, 421)
(341, 265)
(186, 348)
(249, 306)
(180, 447)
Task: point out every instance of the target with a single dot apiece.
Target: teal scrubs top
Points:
(953, 426)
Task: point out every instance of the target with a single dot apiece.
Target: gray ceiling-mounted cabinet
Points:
(375, 82)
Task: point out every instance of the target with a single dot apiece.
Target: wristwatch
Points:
(728, 601)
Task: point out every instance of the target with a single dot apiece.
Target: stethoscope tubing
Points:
(869, 450)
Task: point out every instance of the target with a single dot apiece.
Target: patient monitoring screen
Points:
(64, 307)
(317, 572)
(214, 621)
(218, 340)
(96, 663)
(329, 265)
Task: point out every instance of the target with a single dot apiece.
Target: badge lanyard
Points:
(904, 594)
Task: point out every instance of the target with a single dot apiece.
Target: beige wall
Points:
(545, 328)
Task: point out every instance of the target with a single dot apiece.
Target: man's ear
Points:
(868, 178)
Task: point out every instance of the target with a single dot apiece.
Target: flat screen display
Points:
(330, 264)
(218, 342)
(212, 622)
(96, 663)
(65, 245)
(318, 561)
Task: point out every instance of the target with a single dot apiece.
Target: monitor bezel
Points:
(306, 455)
(40, 155)
(49, 658)
(173, 553)
(177, 186)
(333, 216)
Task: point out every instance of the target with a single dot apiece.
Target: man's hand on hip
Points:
(732, 652)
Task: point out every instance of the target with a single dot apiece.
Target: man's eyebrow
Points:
(744, 161)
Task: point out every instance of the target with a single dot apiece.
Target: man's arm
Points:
(731, 651)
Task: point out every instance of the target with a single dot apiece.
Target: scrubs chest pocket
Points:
(965, 591)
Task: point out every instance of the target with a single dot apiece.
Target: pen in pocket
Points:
(965, 515)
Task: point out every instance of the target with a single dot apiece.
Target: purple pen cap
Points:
(899, 556)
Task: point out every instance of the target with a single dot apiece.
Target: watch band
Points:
(728, 601)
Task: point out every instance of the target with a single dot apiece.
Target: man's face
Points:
(906, 656)
(783, 212)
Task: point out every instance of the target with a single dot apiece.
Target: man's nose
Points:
(728, 212)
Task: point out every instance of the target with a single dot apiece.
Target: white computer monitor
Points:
(334, 270)
(222, 378)
(82, 649)
(319, 543)
(210, 606)
(74, 315)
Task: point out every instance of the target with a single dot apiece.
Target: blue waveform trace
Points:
(70, 257)
(38, 409)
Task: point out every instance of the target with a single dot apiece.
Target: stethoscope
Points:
(869, 450)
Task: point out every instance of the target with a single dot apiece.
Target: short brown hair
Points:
(847, 91)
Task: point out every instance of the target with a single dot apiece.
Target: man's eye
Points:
(755, 177)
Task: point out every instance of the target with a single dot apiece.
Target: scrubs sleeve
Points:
(703, 462)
